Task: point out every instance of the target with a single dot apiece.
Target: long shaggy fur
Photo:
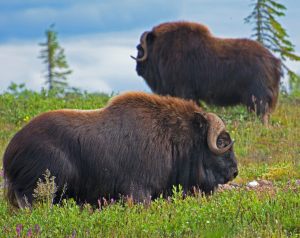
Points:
(186, 60)
(139, 145)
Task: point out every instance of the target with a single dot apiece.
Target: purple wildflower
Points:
(19, 228)
(29, 233)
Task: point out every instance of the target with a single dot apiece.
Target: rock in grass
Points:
(253, 184)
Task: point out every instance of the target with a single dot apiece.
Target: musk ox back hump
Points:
(188, 27)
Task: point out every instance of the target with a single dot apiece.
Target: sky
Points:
(99, 36)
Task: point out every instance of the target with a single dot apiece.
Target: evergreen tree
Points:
(269, 32)
(57, 67)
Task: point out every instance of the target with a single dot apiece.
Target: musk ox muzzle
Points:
(139, 145)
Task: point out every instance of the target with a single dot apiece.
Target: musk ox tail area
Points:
(34, 150)
(16, 179)
(10, 191)
(277, 74)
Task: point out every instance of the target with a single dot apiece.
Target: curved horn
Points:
(143, 41)
(215, 128)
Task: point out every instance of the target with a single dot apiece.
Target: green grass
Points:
(271, 153)
(239, 213)
(18, 109)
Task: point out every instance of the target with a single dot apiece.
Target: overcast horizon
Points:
(99, 37)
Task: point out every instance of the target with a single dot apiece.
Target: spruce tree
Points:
(269, 32)
(54, 58)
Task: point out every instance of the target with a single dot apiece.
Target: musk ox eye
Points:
(140, 53)
(221, 143)
(223, 140)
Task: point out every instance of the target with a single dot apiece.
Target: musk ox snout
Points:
(235, 173)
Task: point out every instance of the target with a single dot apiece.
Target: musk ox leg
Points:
(18, 196)
(260, 106)
(22, 201)
(265, 119)
(139, 193)
(262, 111)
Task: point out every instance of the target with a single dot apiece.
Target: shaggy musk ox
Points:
(184, 59)
(140, 145)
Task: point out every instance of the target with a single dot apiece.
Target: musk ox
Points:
(139, 145)
(184, 59)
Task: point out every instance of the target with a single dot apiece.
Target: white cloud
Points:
(19, 64)
(100, 62)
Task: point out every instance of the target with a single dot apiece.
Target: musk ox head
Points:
(221, 168)
(142, 48)
(219, 162)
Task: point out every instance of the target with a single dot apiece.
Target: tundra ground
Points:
(269, 155)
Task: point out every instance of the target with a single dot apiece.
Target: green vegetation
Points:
(271, 154)
(239, 213)
(268, 31)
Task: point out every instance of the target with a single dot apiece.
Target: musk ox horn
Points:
(143, 41)
(216, 127)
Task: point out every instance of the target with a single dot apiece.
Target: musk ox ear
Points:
(200, 120)
(146, 39)
(150, 37)
(215, 129)
(224, 140)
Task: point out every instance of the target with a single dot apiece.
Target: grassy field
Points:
(269, 155)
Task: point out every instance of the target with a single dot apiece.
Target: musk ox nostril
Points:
(235, 173)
